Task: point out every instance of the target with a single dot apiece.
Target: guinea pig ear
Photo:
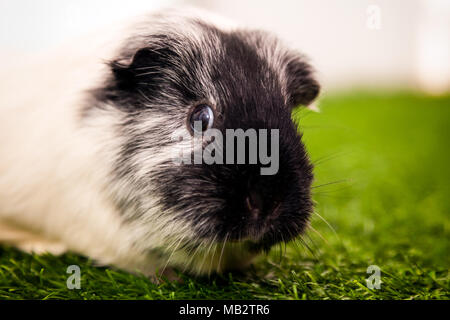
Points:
(145, 67)
(302, 86)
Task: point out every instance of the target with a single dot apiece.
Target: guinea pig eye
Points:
(204, 114)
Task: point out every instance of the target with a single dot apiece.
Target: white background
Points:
(409, 47)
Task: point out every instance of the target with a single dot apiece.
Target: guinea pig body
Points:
(87, 146)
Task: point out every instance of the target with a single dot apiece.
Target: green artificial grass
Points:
(382, 185)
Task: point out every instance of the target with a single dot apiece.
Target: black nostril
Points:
(254, 203)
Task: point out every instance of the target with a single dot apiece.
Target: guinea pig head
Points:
(183, 81)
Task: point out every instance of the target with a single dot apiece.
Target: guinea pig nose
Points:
(254, 203)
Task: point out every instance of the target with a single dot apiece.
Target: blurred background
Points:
(352, 43)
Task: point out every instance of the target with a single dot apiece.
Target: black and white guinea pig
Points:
(86, 145)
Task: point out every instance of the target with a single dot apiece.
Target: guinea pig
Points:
(87, 145)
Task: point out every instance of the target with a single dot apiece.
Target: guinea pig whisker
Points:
(305, 245)
(208, 250)
(297, 247)
(193, 254)
(327, 223)
(278, 251)
(212, 259)
(330, 183)
(221, 252)
(282, 247)
(331, 193)
(313, 243)
(329, 157)
(171, 254)
(319, 234)
(282, 252)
